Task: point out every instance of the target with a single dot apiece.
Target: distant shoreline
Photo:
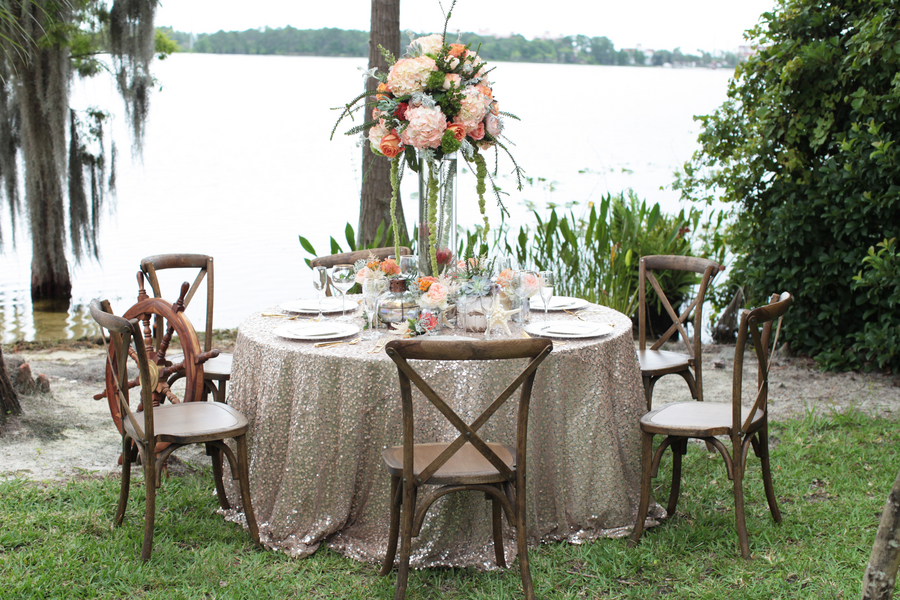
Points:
(332, 42)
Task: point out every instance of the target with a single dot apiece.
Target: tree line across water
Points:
(575, 49)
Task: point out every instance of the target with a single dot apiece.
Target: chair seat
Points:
(468, 465)
(218, 368)
(663, 362)
(192, 422)
(694, 419)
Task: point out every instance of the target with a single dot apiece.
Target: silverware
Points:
(569, 312)
(327, 344)
(289, 318)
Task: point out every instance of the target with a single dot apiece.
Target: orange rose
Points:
(390, 144)
(457, 50)
(459, 131)
(425, 283)
(381, 89)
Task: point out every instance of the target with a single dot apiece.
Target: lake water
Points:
(237, 162)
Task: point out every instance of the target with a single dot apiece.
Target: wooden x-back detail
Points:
(678, 321)
(467, 433)
(455, 467)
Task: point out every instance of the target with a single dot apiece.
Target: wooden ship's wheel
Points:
(158, 315)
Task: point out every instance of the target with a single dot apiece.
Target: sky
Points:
(709, 25)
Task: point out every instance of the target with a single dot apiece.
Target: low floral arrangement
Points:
(436, 100)
(372, 268)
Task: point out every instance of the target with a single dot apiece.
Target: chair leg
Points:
(216, 458)
(244, 480)
(644, 505)
(496, 516)
(394, 531)
(522, 538)
(407, 514)
(679, 449)
(649, 382)
(150, 508)
(762, 450)
(739, 518)
(126, 481)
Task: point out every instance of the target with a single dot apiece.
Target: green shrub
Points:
(805, 144)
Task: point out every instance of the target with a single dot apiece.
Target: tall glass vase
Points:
(437, 209)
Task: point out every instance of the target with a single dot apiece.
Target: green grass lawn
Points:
(832, 476)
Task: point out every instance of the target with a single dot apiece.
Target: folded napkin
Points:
(565, 328)
(316, 329)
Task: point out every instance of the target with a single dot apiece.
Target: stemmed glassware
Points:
(409, 265)
(546, 289)
(320, 282)
(343, 277)
(523, 282)
(372, 289)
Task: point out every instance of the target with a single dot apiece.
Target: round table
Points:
(320, 417)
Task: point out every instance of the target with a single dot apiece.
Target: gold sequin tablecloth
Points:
(320, 417)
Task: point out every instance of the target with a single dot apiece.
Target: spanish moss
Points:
(65, 191)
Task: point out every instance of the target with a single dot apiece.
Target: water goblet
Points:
(343, 277)
(409, 265)
(546, 278)
(320, 282)
(525, 284)
(372, 290)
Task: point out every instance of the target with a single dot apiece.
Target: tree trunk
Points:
(375, 200)
(881, 572)
(9, 400)
(42, 93)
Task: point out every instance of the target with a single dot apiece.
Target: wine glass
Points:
(320, 282)
(523, 282)
(546, 278)
(343, 277)
(372, 289)
(409, 264)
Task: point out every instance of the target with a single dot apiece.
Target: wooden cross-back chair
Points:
(217, 371)
(468, 463)
(348, 258)
(745, 426)
(657, 363)
(154, 432)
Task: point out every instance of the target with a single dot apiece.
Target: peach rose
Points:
(459, 131)
(382, 89)
(505, 277)
(493, 125)
(452, 80)
(457, 50)
(390, 267)
(390, 144)
(478, 132)
(435, 297)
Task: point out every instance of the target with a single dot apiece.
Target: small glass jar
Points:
(396, 304)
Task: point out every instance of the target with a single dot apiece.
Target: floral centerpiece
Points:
(433, 102)
(433, 296)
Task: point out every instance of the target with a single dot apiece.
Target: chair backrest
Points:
(401, 351)
(756, 325)
(348, 258)
(122, 333)
(648, 265)
(204, 266)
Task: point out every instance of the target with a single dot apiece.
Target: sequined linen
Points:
(320, 417)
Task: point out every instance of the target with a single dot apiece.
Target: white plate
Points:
(558, 303)
(311, 306)
(568, 329)
(329, 330)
